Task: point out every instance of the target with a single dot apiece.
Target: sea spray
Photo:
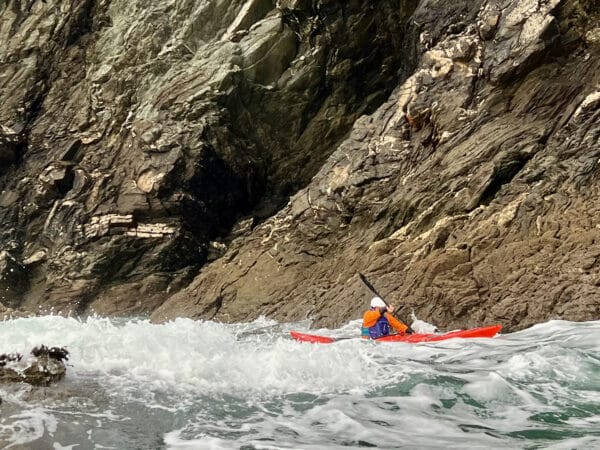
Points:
(197, 384)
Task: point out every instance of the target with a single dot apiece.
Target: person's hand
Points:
(390, 308)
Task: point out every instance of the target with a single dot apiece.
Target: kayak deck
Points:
(481, 332)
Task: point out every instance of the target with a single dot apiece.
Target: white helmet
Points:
(377, 302)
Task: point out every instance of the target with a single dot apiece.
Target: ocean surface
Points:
(190, 384)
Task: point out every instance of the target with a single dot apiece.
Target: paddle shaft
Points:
(374, 291)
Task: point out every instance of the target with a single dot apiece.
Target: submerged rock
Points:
(46, 366)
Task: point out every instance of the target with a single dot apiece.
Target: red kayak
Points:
(482, 332)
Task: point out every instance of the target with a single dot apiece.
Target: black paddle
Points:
(374, 291)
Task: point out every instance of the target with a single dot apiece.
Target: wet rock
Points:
(9, 357)
(46, 366)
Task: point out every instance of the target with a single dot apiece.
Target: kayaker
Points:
(378, 320)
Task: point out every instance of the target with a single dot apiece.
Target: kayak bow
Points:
(481, 332)
(312, 338)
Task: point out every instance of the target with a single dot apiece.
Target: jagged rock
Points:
(469, 196)
(10, 146)
(447, 149)
(46, 367)
(13, 279)
(215, 113)
(9, 357)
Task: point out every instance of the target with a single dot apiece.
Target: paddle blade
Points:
(312, 338)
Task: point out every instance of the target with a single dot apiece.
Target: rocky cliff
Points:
(226, 159)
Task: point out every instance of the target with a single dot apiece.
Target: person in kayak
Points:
(378, 320)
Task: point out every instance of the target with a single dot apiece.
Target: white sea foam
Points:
(193, 384)
(186, 355)
(25, 427)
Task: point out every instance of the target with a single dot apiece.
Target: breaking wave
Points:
(196, 384)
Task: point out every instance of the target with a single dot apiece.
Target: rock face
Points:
(469, 196)
(136, 134)
(448, 150)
